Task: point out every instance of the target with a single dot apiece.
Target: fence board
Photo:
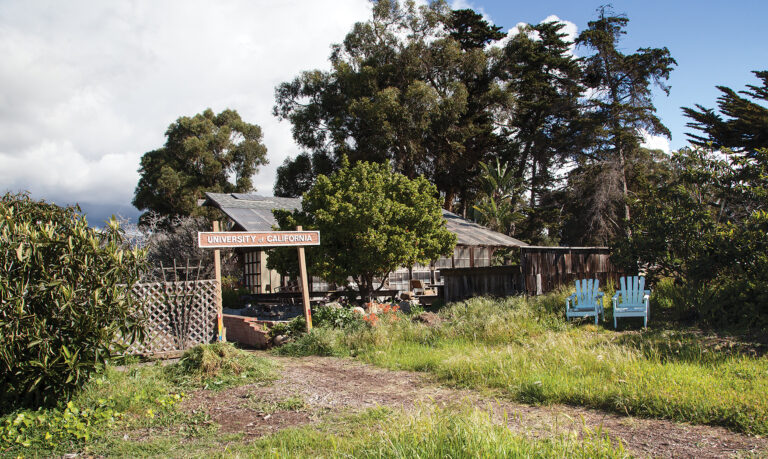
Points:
(461, 283)
(556, 266)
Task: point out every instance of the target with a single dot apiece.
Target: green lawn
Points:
(525, 349)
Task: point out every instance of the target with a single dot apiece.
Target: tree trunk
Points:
(622, 164)
(450, 195)
(366, 289)
(533, 184)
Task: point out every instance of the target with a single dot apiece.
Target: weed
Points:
(288, 404)
(219, 365)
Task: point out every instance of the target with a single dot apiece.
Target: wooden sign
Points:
(219, 240)
(228, 239)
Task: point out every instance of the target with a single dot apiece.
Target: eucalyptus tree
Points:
(410, 87)
(205, 152)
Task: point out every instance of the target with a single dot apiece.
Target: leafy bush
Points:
(65, 306)
(707, 229)
(334, 317)
(320, 341)
(233, 297)
(293, 328)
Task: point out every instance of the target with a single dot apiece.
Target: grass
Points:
(524, 348)
(136, 398)
(145, 421)
(294, 403)
(218, 366)
(457, 432)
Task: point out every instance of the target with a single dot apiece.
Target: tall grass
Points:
(527, 350)
(450, 432)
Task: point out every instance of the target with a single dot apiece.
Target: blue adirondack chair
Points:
(632, 300)
(586, 302)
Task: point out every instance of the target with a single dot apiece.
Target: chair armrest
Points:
(615, 296)
(600, 294)
(568, 301)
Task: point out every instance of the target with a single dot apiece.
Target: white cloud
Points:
(86, 87)
(656, 142)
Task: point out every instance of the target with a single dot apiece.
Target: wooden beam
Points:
(304, 285)
(217, 273)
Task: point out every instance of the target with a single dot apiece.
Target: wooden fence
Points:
(546, 268)
(179, 315)
(542, 269)
(461, 283)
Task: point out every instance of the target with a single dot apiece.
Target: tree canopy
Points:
(412, 87)
(706, 224)
(620, 110)
(371, 221)
(204, 153)
(436, 92)
(541, 117)
(741, 125)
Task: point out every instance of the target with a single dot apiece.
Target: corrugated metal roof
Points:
(470, 233)
(254, 213)
(250, 211)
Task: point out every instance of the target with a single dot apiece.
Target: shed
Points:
(251, 212)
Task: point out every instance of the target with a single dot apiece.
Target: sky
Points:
(87, 87)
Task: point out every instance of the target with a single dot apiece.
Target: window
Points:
(251, 271)
(482, 256)
(461, 256)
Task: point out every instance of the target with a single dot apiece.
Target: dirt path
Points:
(330, 384)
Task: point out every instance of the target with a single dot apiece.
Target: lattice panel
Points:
(179, 315)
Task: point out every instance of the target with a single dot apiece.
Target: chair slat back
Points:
(579, 290)
(586, 289)
(632, 289)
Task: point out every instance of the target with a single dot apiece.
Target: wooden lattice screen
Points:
(179, 315)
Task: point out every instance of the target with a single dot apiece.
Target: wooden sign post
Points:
(304, 285)
(218, 239)
(217, 273)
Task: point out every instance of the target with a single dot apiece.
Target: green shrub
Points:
(291, 329)
(331, 317)
(65, 305)
(320, 341)
(233, 297)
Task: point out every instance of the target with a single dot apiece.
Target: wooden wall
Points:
(546, 268)
(462, 283)
(542, 270)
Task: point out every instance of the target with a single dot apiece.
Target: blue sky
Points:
(89, 86)
(714, 42)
